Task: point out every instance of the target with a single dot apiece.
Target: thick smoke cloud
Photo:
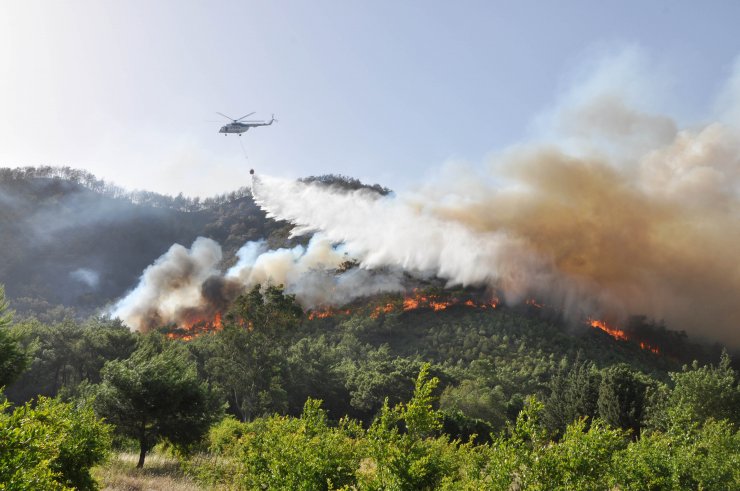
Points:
(185, 286)
(617, 211)
(172, 286)
(614, 209)
(314, 274)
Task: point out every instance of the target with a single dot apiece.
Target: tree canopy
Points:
(156, 395)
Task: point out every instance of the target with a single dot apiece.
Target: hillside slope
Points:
(64, 243)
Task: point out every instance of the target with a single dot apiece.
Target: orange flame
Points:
(611, 331)
(533, 303)
(411, 302)
(191, 329)
(649, 347)
(325, 313)
(620, 334)
(382, 309)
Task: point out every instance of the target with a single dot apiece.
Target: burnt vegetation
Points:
(375, 395)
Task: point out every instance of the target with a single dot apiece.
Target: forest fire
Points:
(620, 334)
(198, 325)
(611, 331)
(418, 301)
(326, 313)
(532, 302)
(415, 302)
(382, 309)
(192, 329)
(649, 347)
(412, 302)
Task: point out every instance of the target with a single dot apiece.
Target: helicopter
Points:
(239, 126)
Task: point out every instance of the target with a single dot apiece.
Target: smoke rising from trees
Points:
(618, 211)
(615, 209)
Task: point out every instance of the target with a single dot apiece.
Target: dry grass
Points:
(160, 473)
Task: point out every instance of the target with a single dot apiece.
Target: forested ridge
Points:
(370, 396)
(72, 240)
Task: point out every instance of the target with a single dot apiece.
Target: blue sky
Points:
(386, 91)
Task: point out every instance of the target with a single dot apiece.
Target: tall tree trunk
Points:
(142, 454)
(143, 444)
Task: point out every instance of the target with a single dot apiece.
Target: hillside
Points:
(330, 388)
(69, 239)
(73, 243)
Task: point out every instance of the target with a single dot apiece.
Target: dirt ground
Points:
(160, 473)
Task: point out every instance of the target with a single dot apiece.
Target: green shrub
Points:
(51, 446)
(280, 452)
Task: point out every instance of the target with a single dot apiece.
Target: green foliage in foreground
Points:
(50, 446)
(156, 395)
(12, 357)
(403, 450)
(611, 416)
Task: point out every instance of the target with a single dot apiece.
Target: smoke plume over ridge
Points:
(618, 211)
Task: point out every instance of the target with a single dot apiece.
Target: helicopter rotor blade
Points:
(245, 116)
(225, 116)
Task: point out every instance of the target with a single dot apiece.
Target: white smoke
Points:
(86, 276)
(312, 273)
(384, 232)
(185, 286)
(615, 209)
(173, 283)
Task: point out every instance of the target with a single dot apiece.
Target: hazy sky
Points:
(387, 91)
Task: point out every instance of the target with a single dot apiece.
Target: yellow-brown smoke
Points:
(660, 237)
(622, 213)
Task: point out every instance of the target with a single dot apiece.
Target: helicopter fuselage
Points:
(237, 128)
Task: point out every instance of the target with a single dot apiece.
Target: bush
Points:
(281, 452)
(51, 446)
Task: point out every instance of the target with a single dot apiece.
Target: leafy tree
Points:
(699, 393)
(67, 353)
(573, 394)
(85, 441)
(280, 452)
(475, 399)
(621, 399)
(708, 391)
(313, 365)
(376, 377)
(156, 395)
(706, 459)
(247, 368)
(13, 360)
(581, 460)
(248, 358)
(26, 450)
(410, 459)
(52, 445)
(270, 312)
